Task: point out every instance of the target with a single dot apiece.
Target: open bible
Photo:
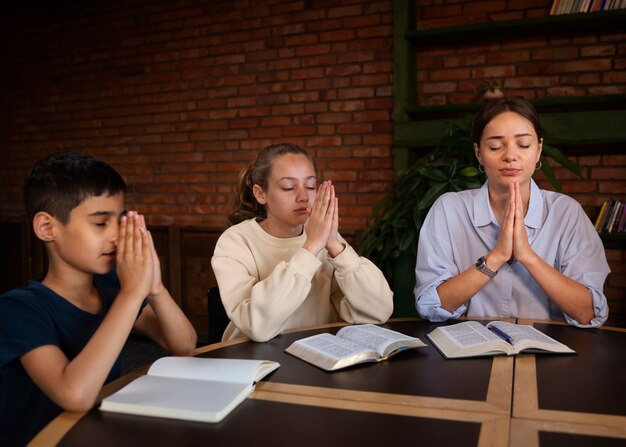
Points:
(352, 345)
(472, 339)
(190, 388)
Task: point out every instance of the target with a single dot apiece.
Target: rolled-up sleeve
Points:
(434, 265)
(582, 259)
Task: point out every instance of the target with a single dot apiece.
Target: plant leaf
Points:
(469, 171)
(561, 159)
(432, 174)
(431, 195)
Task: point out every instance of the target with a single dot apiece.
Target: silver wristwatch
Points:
(481, 266)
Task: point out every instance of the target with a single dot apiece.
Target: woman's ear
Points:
(43, 225)
(259, 194)
(540, 148)
(477, 153)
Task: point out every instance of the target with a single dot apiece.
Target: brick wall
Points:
(534, 66)
(179, 95)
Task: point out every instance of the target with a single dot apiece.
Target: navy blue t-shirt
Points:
(35, 316)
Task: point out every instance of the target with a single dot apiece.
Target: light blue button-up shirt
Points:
(461, 227)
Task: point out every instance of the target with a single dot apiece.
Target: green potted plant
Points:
(391, 239)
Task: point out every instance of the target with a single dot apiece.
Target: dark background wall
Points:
(178, 95)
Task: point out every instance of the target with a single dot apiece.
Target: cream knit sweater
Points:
(269, 284)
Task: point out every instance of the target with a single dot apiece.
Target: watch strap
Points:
(481, 266)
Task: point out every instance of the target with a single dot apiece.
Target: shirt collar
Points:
(483, 215)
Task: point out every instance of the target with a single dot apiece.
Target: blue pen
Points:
(501, 334)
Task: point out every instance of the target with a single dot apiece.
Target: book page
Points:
(371, 336)
(525, 335)
(226, 370)
(469, 333)
(330, 346)
(198, 400)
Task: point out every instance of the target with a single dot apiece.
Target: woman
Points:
(283, 264)
(510, 249)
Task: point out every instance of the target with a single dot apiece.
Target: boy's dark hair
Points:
(59, 182)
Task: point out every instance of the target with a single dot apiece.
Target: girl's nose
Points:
(302, 195)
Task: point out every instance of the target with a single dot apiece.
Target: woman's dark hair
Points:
(59, 182)
(495, 107)
(258, 172)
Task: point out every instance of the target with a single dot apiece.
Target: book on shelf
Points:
(596, 5)
(611, 217)
(581, 6)
(190, 388)
(614, 212)
(352, 345)
(601, 216)
(473, 339)
(621, 226)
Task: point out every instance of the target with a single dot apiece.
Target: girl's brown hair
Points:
(258, 172)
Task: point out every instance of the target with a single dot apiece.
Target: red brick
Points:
(554, 54)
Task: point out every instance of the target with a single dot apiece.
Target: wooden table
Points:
(417, 397)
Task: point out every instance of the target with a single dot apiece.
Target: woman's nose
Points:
(509, 153)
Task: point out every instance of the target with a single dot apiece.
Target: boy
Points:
(62, 337)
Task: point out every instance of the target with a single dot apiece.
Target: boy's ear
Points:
(43, 225)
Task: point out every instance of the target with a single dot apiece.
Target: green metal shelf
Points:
(550, 102)
(506, 29)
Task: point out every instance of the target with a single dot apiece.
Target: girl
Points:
(282, 264)
(510, 249)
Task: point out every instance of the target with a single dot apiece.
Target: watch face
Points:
(481, 266)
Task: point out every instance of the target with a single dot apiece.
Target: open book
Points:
(471, 339)
(352, 344)
(191, 388)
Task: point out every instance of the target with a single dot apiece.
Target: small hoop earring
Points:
(538, 167)
(481, 168)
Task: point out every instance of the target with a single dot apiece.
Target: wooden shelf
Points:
(509, 29)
